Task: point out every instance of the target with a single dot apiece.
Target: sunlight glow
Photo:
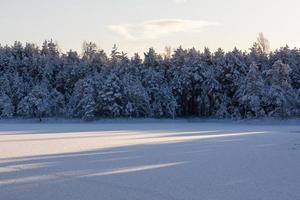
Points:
(86, 141)
(135, 169)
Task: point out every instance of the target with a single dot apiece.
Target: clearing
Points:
(150, 160)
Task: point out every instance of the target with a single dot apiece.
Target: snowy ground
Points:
(150, 160)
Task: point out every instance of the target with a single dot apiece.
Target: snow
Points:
(43, 82)
(150, 159)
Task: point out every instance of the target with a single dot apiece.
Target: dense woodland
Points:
(38, 82)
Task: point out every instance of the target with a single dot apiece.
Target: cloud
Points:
(154, 29)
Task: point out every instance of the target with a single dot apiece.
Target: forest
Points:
(42, 82)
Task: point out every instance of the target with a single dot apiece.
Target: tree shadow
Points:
(112, 172)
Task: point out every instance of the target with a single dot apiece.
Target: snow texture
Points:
(150, 159)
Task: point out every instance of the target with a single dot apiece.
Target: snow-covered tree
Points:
(211, 90)
(251, 92)
(292, 58)
(162, 101)
(36, 104)
(6, 106)
(41, 102)
(280, 94)
(82, 103)
(44, 82)
(110, 96)
(137, 100)
(186, 82)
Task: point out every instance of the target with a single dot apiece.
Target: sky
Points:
(136, 25)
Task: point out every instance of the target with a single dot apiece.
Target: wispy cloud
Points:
(153, 29)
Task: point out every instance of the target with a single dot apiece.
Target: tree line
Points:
(37, 82)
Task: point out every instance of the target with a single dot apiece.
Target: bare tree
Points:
(263, 43)
(168, 52)
(88, 49)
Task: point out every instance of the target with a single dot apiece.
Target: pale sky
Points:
(136, 25)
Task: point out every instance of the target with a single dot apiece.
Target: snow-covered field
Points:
(150, 160)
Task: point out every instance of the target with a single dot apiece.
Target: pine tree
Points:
(211, 90)
(43, 82)
(250, 94)
(109, 96)
(280, 94)
(162, 101)
(137, 100)
(41, 102)
(36, 104)
(6, 107)
(82, 103)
